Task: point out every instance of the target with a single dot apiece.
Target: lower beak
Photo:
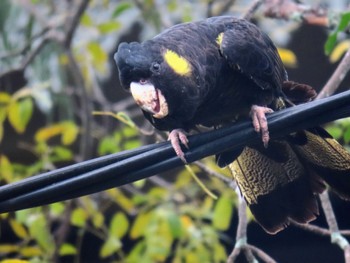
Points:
(149, 99)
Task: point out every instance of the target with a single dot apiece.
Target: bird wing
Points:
(251, 52)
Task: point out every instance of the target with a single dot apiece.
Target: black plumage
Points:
(221, 69)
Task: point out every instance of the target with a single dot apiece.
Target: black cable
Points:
(125, 167)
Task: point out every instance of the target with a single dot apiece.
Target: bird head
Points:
(160, 80)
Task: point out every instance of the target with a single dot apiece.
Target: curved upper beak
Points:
(150, 99)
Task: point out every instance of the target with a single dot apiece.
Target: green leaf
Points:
(57, 209)
(111, 246)
(67, 249)
(107, 145)
(330, 43)
(344, 21)
(60, 153)
(174, 223)
(132, 144)
(335, 131)
(347, 135)
(109, 27)
(79, 217)
(86, 20)
(223, 212)
(19, 113)
(121, 8)
(119, 225)
(137, 252)
(332, 38)
(38, 229)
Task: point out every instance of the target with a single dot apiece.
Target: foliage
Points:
(54, 119)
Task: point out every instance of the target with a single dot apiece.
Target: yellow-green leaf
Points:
(14, 261)
(339, 51)
(31, 251)
(121, 8)
(5, 98)
(219, 253)
(67, 249)
(6, 169)
(8, 248)
(86, 20)
(136, 253)
(19, 113)
(70, 133)
(67, 129)
(99, 57)
(121, 199)
(140, 225)
(98, 219)
(223, 213)
(79, 217)
(18, 229)
(1, 131)
(111, 246)
(108, 27)
(119, 225)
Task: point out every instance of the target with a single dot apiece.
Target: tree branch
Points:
(337, 77)
(293, 10)
(74, 22)
(336, 237)
(252, 9)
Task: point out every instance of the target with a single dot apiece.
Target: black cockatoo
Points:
(221, 69)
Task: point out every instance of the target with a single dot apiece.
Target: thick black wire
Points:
(122, 168)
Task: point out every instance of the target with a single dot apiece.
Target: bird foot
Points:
(175, 137)
(258, 115)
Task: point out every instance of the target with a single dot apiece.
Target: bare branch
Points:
(318, 230)
(252, 9)
(337, 77)
(336, 237)
(261, 254)
(292, 10)
(72, 25)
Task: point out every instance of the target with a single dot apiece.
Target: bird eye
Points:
(155, 67)
(143, 81)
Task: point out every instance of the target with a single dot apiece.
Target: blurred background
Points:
(61, 103)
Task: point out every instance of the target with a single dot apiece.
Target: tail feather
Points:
(275, 185)
(325, 157)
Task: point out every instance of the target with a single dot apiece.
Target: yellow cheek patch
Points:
(179, 64)
(219, 38)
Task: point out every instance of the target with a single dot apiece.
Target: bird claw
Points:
(258, 115)
(175, 137)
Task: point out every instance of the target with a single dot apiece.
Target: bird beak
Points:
(150, 99)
